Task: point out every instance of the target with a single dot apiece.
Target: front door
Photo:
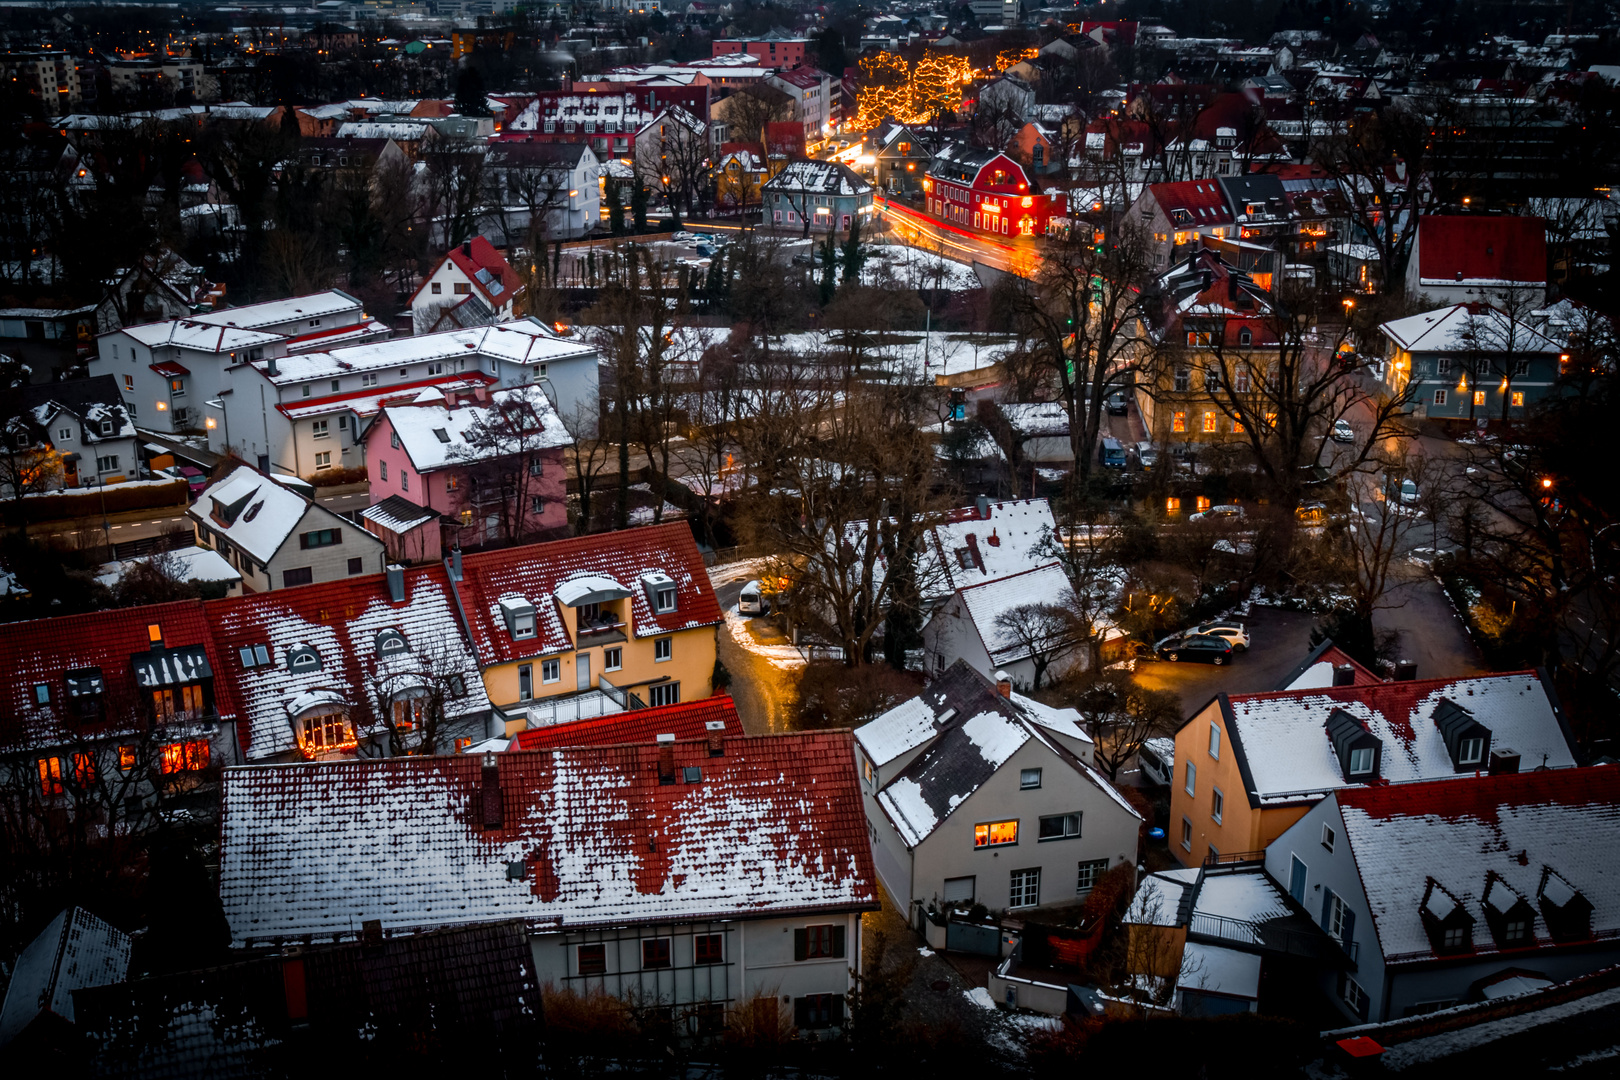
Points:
(1296, 879)
(582, 664)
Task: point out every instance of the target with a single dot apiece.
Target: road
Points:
(765, 689)
(931, 234)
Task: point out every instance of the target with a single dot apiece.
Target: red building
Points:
(989, 192)
(780, 51)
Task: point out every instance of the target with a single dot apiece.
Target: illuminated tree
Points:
(936, 84)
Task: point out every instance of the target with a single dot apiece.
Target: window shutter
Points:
(836, 1006)
(1366, 1001)
(801, 1006)
(800, 944)
(303, 541)
(1327, 908)
(838, 941)
(1349, 927)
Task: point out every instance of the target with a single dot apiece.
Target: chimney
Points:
(466, 248)
(1004, 684)
(396, 583)
(666, 759)
(270, 368)
(1344, 675)
(1405, 670)
(490, 792)
(455, 564)
(982, 503)
(1504, 761)
(994, 540)
(717, 737)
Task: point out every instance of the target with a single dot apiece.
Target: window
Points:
(551, 671)
(253, 655)
(1186, 835)
(1518, 399)
(382, 470)
(301, 575)
(1212, 379)
(654, 953)
(463, 288)
(995, 833)
(126, 758)
(708, 949)
(1340, 920)
(1516, 931)
(1479, 397)
(1089, 873)
(536, 467)
(323, 460)
(612, 659)
(1029, 778)
(64, 435)
(1209, 422)
(525, 682)
(437, 288)
(1354, 996)
(1240, 380)
(1192, 779)
(187, 756)
(1218, 804)
(1328, 837)
(1184, 376)
(356, 565)
(664, 694)
(320, 538)
(664, 599)
(1025, 890)
(336, 386)
(1215, 742)
(663, 649)
(169, 702)
(1453, 937)
(369, 380)
(1245, 337)
(319, 428)
(306, 390)
(107, 463)
(1439, 397)
(50, 776)
(1361, 761)
(824, 941)
(42, 694)
(1178, 422)
(404, 480)
(537, 505)
(177, 387)
(818, 1010)
(1442, 365)
(1059, 827)
(1471, 751)
(129, 380)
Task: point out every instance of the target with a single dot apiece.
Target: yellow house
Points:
(740, 175)
(578, 627)
(1249, 766)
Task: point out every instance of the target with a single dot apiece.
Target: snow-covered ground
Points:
(913, 355)
(896, 265)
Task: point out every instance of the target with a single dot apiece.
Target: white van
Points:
(751, 601)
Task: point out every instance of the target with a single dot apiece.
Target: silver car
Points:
(1235, 633)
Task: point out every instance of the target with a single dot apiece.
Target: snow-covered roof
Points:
(76, 950)
(818, 178)
(967, 549)
(340, 622)
(1522, 831)
(969, 731)
(189, 333)
(1035, 419)
(1219, 970)
(1286, 754)
(317, 305)
(988, 601)
(398, 514)
(523, 341)
(436, 436)
(398, 130)
(1466, 327)
(586, 837)
(252, 511)
(192, 564)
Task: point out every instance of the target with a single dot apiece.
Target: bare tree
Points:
(408, 692)
(504, 452)
(1121, 715)
(1044, 632)
(454, 189)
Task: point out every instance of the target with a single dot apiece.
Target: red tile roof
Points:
(38, 652)
(534, 572)
(1202, 199)
(1483, 797)
(1482, 248)
(686, 721)
(479, 254)
(586, 837)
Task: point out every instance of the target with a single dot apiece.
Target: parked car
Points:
(1117, 405)
(1157, 759)
(1111, 452)
(1147, 456)
(1402, 490)
(1195, 648)
(1219, 513)
(751, 601)
(1233, 633)
(682, 237)
(1311, 513)
(1343, 432)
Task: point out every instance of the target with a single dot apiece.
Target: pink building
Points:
(784, 52)
(483, 468)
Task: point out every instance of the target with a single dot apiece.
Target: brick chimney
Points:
(666, 759)
(490, 792)
(717, 737)
(1004, 684)
(1344, 675)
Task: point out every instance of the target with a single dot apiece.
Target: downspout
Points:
(466, 628)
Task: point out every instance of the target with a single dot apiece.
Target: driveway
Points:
(1432, 636)
(764, 680)
(1281, 639)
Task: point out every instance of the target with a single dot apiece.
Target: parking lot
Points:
(1280, 641)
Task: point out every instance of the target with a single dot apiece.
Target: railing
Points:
(1232, 858)
(1269, 937)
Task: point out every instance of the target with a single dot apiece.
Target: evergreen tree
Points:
(615, 208)
(852, 251)
(471, 100)
(829, 264)
(638, 203)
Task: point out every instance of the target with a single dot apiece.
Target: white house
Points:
(699, 876)
(968, 627)
(83, 420)
(276, 537)
(473, 285)
(559, 180)
(977, 794)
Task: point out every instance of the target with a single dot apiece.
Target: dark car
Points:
(1117, 405)
(1195, 648)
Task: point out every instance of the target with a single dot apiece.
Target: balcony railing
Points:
(1270, 937)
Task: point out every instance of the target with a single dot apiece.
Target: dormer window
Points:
(1359, 751)
(1467, 740)
(1568, 914)
(519, 616)
(665, 599)
(107, 427)
(1449, 926)
(1508, 914)
(1471, 751)
(1361, 761)
(253, 656)
(391, 643)
(302, 658)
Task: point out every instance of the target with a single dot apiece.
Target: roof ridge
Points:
(1369, 687)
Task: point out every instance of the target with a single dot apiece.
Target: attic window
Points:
(1361, 761)
(42, 694)
(254, 656)
(302, 658)
(519, 616)
(1471, 751)
(391, 643)
(964, 558)
(154, 633)
(665, 599)
(253, 511)
(441, 434)
(692, 774)
(106, 427)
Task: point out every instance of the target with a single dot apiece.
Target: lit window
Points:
(1518, 399)
(329, 731)
(154, 633)
(1209, 422)
(1203, 503)
(1178, 422)
(187, 756)
(995, 833)
(169, 702)
(126, 758)
(1172, 505)
(50, 776)
(1479, 397)
(1059, 827)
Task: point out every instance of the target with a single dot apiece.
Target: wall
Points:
(329, 563)
(950, 635)
(1238, 828)
(691, 664)
(1108, 830)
